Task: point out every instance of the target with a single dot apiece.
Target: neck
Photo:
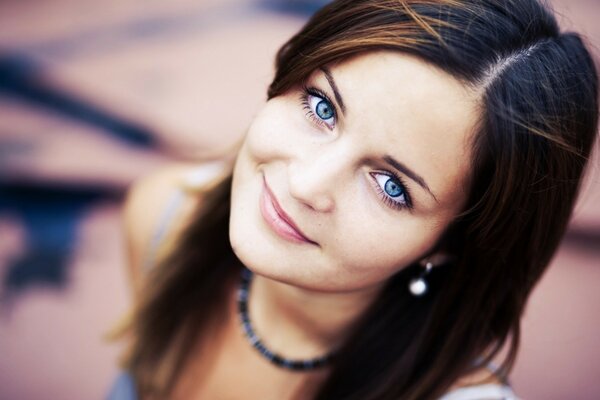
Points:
(302, 323)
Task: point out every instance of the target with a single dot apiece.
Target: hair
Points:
(537, 126)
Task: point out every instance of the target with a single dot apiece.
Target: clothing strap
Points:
(123, 388)
(164, 222)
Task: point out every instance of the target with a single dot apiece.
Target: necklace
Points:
(274, 358)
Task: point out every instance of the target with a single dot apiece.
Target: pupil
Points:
(392, 188)
(323, 110)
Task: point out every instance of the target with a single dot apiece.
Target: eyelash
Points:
(304, 98)
(386, 198)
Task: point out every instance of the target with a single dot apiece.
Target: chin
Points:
(258, 255)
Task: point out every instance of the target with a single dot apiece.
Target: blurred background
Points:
(96, 94)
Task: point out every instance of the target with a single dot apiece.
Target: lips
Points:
(278, 219)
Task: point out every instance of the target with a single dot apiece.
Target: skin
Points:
(327, 175)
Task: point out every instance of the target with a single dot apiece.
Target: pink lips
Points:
(277, 218)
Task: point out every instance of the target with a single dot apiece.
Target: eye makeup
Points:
(386, 182)
(312, 111)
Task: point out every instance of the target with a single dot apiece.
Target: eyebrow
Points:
(408, 172)
(334, 87)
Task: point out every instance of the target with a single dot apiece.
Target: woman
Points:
(389, 212)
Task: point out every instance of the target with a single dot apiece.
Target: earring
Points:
(418, 286)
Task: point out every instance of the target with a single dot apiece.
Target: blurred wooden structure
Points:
(190, 75)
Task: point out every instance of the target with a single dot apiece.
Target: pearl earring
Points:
(418, 286)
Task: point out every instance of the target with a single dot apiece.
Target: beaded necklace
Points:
(274, 358)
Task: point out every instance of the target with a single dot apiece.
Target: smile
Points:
(281, 223)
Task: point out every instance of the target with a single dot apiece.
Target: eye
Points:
(391, 189)
(322, 107)
(319, 108)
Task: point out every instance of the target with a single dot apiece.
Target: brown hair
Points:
(538, 121)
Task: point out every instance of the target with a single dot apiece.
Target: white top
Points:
(489, 391)
(481, 392)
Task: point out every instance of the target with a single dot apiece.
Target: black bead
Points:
(276, 359)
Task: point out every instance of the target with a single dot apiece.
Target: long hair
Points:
(538, 121)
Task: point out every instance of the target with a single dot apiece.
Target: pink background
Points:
(194, 73)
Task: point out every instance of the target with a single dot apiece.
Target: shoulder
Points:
(157, 207)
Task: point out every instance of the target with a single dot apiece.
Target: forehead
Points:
(412, 110)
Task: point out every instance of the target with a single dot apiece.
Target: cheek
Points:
(374, 251)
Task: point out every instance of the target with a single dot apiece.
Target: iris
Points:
(392, 188)
(324, 110)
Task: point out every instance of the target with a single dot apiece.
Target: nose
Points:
(315, 180)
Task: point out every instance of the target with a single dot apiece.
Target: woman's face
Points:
(344, 181)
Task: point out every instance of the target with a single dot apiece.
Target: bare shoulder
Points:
(162, 200)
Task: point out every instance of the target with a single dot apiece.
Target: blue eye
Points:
(324, 110)
(319, 108)
(392, 190)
